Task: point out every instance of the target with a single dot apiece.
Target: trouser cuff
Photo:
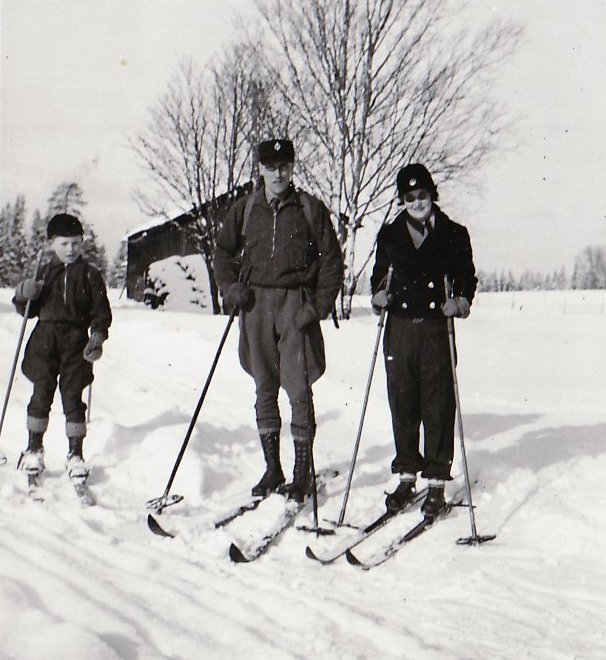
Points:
(75, 429)
(37, 424)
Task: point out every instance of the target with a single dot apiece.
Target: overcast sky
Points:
(79, 76)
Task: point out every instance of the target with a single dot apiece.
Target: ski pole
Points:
(314, 487)
(88, 403)
(17, 351)
(474, 539)
(160, 503)
(365, 404)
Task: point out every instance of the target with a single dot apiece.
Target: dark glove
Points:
(306, 315)
(94, 347)
(28, 289)
(380, 301)
(238, 294)
(458, 306)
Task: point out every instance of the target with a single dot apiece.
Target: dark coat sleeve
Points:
(227, 256)
(330, 267)
(463, 277)
(382, 261)
(100, 312)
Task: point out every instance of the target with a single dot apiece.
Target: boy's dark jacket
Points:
(417, 284)
(72, 293)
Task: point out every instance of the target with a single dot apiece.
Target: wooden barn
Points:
(169, 238)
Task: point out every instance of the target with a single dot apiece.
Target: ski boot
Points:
(434, 503)
(31, 462)
(301, 483)
(273, 476)
(402, 496)
(77, 469)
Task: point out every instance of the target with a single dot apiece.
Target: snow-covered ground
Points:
(95, 584)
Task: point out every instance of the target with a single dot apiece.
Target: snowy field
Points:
(95, 584)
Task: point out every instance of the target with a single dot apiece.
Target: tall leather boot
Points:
(301, 481)
(273, 477)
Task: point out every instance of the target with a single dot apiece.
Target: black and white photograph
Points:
(302, 316)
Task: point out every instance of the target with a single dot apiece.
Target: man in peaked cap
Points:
(423, 245)
(278, 259)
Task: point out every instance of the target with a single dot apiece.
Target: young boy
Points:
(69, 298)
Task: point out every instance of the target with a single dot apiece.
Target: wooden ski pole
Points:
(17, 351)
(474, 539)
(365, 404)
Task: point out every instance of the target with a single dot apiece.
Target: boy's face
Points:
(67, 248)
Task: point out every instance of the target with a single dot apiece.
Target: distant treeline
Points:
(21, 239)
(589, 273)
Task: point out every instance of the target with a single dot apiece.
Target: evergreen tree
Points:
(117, 273)
(37, 236)
(92, 251)
(13, 245)
(66, 198)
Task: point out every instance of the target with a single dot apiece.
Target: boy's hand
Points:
(29, 289)
(94, 347)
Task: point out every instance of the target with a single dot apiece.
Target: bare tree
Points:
(370, 85)
(198, 146)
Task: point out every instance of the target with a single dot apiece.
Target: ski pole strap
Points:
(388, 278)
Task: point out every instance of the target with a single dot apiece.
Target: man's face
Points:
(418, 204)
(277, 177)
(67, 248)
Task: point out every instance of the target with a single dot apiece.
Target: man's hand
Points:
(458, 306)
(94, 347)
(238, 294)
(306, 315)
(29, 289)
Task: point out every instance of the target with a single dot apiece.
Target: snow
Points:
(95, 583)
(180, 283)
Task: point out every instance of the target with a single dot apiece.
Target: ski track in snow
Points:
(96, 584)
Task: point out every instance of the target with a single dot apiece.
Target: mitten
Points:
(94, 347)
(238, 294)
(306, 315)
(28, 289)
(458, 306)
(380, 301)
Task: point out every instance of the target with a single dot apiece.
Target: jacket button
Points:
(432, 305)
(404, 305)
(431, 285)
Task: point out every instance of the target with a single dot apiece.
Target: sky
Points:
(78, 78)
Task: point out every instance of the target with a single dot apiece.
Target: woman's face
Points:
(418, 204)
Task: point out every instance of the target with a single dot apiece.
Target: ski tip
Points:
(352, 559)
(236, 555)
(154, 526)
(310, 553)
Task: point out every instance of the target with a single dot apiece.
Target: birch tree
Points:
(370, 85)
